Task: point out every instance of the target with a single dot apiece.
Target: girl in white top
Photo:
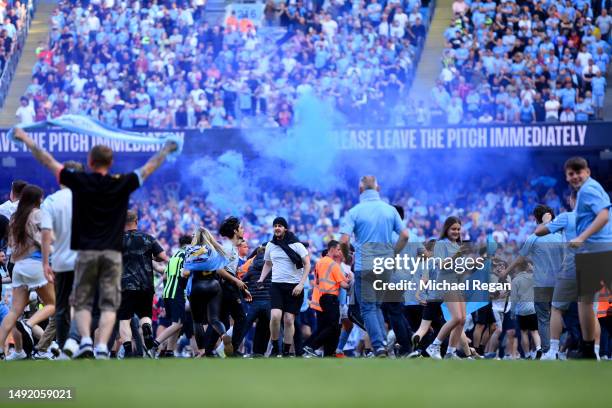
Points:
(25, 238)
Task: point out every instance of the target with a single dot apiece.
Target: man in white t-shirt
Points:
(289, 262)
(25, 112)
(329, 26)
(59, 265)
(10, 206)
(110, 93)
(552, 107)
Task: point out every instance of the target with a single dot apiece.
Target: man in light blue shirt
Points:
(594, 238)
(373, 223)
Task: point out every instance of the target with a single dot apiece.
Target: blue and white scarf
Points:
(88, 126)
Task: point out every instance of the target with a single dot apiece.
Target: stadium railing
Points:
(11, 65)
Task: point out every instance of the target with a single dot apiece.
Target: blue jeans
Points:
(370, 309)
(3, 311)
(259, 311)
(543, 313)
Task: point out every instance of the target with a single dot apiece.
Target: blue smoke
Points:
(222, 180)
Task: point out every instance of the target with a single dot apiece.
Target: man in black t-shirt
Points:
(137, 288)
(99, 208)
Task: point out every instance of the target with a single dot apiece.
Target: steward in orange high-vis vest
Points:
(328, 281)
(604, 305)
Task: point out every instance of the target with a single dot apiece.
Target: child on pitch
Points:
(522, 296)
(594, 244)
(565, 291)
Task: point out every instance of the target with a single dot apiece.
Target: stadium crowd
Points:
(13, 16)
(503, 210)
(151, 65)
(522, 62)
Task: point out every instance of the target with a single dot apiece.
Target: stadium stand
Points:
(524, 62)
(14, 23)
(152, 66)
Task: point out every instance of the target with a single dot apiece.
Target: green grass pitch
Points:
(314, 383)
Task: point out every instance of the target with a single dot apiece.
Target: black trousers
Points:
(259, 313)
(63, 289)
(205, 302)
(399, 324)
(328, 326)
(231, 305)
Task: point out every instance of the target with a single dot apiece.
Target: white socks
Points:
(101, 348)
(554, 345)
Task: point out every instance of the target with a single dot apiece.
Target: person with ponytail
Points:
(205, 263)
(25, 240)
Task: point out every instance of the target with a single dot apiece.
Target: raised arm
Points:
(157, 160)
(39, 154)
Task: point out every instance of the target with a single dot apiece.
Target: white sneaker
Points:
(562, 356)
(391, 339)
(550, 355)
(451, 356)
(42, 355)
(434, 351)
(101, 354)
(17, 355)
(62, 357)
(71, 347)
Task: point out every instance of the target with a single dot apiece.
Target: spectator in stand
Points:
(168, 53)
(540, 50)
(552, 107)
(25, 113)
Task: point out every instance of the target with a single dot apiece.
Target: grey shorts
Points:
(101, 271)
(450, 277)
(564, 294)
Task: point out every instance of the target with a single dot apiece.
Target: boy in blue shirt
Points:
(565, 291)
(593, 228)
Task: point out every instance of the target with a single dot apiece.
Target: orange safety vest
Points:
(604, 305)
(244, 268)
(324, 284)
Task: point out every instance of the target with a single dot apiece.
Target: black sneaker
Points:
(538, 354)
(582, 355)
(381, 352)
(26, 336)
(2, 356)
(416, 339)
(150, 342)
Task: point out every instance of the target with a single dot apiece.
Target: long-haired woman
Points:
(449, 246)
(25, 239)
(205, 261)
